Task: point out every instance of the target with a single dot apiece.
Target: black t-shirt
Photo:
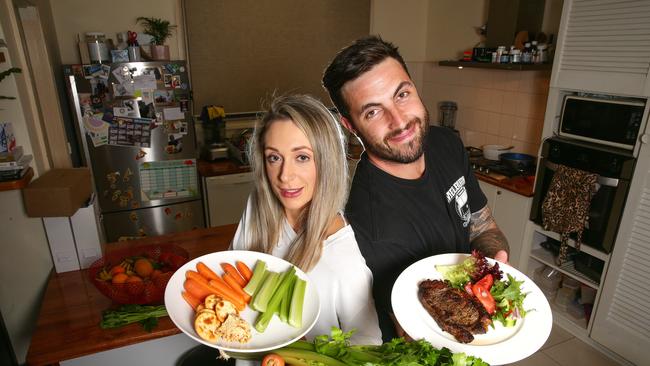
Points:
(398, 221)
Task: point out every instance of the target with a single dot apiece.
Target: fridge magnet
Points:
(147, 96)
(163, 97)
(181, 69)
(173, 114)
(178, 216)
(174, 144)
(122, 75)
(154, 179)
(167, 80)
(176, 81)
(96, 101)
(116, 195)
(132, 108)
(127, 131)
(123, 90)
(127, 175)
(184, 105)
(104, 71)
(133, 217)
(129, 193)
(124, 201)
(91, 71)
(147, 110)
(135, 204)
(172, 68)
(188, 214)
(96, 128)
(100, 87)
(184, 86)
(77, 71)
(144, 82)
(155, 71)
(168, 211)
(141, 154)
(120, 55)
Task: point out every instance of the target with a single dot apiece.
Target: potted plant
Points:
(159, 30)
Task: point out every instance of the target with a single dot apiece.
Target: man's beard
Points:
(405, 154)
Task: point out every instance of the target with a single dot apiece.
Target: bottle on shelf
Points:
(526, 55)
(534, 52)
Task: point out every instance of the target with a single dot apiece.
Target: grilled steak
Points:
(455, 311)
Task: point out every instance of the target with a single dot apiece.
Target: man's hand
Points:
(486, 237)
(399, 330)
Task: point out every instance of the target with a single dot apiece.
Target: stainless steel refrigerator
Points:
(135, 125)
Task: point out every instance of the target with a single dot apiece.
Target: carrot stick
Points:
(228, 293)
(244, 270)
(205, 271)
(196, 276)
(230, 280)
(191, 300)
(230, 269)
(195, 289)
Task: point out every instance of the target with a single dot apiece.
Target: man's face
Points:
(387, 113)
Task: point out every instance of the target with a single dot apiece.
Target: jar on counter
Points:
(515, 56)
(97, 47)
(542, 54)
(505, 57)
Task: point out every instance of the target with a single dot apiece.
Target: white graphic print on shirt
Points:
(458, 193)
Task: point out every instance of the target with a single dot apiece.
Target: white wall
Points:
(25, 261)
(403, 23)
(451, 27)
(72, 17)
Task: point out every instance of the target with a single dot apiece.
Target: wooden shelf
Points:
(489, 65)
(19, 183)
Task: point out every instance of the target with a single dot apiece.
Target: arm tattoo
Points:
(484, 234)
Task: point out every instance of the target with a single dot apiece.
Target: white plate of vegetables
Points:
(291, 309)
(521, 321)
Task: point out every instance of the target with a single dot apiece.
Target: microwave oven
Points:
(607, 121)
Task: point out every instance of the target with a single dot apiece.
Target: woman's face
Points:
(290, 166)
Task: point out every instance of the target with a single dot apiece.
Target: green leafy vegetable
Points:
(146, 315)
(336, 350)
(510, 301)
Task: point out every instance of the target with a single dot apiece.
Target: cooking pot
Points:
(518, 161)
(492, 152)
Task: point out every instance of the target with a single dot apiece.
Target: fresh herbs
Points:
(336, 350)
(510, 301)
(147, 315)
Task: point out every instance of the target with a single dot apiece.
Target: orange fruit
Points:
(156, 273)
(134, 285)
(117, 269)
(120, 278)
(143, 267)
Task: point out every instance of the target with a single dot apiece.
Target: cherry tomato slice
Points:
(272, 359)
(483, 295)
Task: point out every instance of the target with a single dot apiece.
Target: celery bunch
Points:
(276, 293)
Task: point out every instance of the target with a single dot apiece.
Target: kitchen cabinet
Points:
(603, 48)
(510, 211)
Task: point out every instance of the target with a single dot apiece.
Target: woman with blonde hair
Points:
(295, 212)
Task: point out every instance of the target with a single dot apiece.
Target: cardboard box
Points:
(57, 193)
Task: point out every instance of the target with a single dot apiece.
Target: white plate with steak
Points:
(427, 308)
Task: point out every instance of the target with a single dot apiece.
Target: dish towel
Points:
(566, 207)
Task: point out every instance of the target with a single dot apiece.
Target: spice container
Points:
(505, 57)
(515, 56)
(500, 51)
(97, 47)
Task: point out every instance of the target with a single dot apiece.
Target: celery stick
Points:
(297, 300)
(285, 304)
(263, 319)
(257, 279)
(263, 295)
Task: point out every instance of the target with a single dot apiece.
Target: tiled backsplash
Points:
(494, 106)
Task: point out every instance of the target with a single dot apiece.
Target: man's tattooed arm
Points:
(484, 234)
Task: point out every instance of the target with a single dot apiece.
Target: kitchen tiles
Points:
(494, 106)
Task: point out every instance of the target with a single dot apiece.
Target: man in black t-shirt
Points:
(413, 194)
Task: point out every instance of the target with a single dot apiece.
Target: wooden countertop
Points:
(521, 185)
(68, 322)
(221, 167)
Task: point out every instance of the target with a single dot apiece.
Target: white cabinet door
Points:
(510, 211)
(490, 192)
(622, 321)
(603, 47)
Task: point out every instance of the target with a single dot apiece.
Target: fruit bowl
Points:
(137, 275)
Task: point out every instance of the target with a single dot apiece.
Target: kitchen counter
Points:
(221, 167)
(71, 310)
(520, 185)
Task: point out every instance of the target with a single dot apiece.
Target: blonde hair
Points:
(330, 193)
